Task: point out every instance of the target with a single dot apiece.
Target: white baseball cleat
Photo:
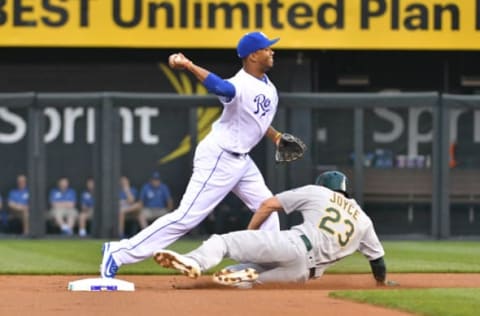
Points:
(173, 260)
(244, 278)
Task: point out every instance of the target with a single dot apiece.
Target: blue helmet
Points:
(334, 180)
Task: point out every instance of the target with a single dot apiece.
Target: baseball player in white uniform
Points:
(334, 227)
(222, 163)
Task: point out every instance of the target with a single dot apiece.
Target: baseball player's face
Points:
(265, 58)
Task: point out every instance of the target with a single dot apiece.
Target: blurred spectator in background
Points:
(156, 200)
(86, 211)
(62, 200)
(128, 205)
(18, 202)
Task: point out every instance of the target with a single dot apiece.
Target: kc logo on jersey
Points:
(263, 104)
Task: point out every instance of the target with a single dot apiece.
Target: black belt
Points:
(238, 155)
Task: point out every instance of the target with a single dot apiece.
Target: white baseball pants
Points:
(282, 255)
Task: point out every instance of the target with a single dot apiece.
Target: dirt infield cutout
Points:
(176, 295)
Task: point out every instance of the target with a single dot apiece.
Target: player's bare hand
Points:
(388, 283)
(178, 61)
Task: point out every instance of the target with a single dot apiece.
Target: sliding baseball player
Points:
(334, 227)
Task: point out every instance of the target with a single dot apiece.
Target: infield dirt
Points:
(176, 295)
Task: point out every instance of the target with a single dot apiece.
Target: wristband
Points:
(277, 137)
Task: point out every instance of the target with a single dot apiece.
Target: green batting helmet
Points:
(334, 180)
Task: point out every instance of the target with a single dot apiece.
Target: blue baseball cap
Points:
(251, 42)
(155, 176)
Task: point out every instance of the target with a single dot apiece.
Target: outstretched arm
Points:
(211, 81)
(273, 135)
(372, 249)
(379, 271)
(268, 207)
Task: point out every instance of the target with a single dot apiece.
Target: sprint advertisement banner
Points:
(313, 24)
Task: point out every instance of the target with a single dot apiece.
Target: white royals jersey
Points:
(335, 225)
(245, 118)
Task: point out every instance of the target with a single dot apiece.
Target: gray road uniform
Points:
(334, 227)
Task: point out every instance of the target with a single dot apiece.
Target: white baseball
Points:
(173, 60)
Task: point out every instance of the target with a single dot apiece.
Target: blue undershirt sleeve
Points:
(218, 86)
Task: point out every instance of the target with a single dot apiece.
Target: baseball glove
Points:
(289, 148)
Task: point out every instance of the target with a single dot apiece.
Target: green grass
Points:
(71, 257)
(83, 257)
(429, 302)
(420, 257)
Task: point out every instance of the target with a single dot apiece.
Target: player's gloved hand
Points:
(389, 283)
(289, 148)
(179, 61)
